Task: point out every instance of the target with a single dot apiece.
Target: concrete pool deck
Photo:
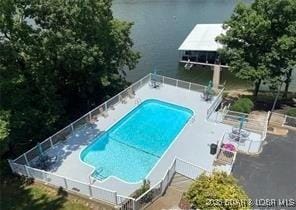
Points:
(191, 145)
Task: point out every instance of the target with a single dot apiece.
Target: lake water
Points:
(160, 26)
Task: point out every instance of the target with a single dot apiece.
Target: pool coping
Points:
(155, 165)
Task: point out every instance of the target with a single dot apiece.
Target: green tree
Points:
(260, 42)
(58, 59)
(213, 191)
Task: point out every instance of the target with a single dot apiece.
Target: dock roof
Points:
(202, 38)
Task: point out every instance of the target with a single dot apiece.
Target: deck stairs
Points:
(173, 194)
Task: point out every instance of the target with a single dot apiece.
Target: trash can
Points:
(213, 149)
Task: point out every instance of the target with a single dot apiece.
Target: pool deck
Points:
(191, 145)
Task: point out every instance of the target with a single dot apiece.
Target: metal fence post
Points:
(134, 204)
(72, 127)
(10, 162)
(27, 171)
(250, 146)
(90, 191)
(105, 104)
(26, 159)
(50, 139)
(66, 184)
(177, 81)
(115, 196)
(189, 86)
(89, 116)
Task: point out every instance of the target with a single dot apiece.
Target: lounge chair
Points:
(94, 119)
(234, 136)
(241, 132)
(207, 97)
(131, 93)
(46, 161)
(103, 112)
(154, 84)
(123, 100)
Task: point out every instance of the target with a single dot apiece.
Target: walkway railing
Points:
(178, 166)
(251, 124)
(215, 104)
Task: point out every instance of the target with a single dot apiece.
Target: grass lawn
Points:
(18, 193)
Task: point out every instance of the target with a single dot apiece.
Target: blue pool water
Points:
(131, 147)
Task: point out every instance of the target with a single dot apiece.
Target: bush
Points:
(218, 187)
(144, 187)
(244, 105)
(291, 112)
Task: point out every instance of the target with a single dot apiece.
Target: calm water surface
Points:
(160, 26)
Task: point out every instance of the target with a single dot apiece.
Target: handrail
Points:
(196, 166)
(151, 188)
(215, 104)
(249, 117)
(203, 86)
(174, 162)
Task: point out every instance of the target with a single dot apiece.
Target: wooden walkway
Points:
(173, 194)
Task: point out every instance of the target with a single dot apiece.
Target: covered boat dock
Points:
(201, 48)
(200, 45)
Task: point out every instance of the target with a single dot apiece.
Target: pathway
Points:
(173, 194)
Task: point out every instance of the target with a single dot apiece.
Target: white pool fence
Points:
(24, 164)
(101, 194)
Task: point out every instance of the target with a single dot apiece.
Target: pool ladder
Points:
(98, 175)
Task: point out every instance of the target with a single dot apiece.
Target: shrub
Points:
(244, 105)
(144, 187)
(218, 187)
(291, 112)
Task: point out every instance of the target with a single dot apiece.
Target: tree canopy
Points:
(260, 41)
(58, 59)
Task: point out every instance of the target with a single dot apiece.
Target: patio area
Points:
(189, 154)
(191, 145)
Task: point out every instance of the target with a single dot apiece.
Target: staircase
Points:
(180, 182)
(173, 194)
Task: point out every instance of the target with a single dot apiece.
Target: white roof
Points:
(202, 38)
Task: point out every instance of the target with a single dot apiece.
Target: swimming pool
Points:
(131, 147)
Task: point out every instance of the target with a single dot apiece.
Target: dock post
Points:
(216, 76)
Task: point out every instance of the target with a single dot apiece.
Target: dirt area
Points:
(238, 93)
